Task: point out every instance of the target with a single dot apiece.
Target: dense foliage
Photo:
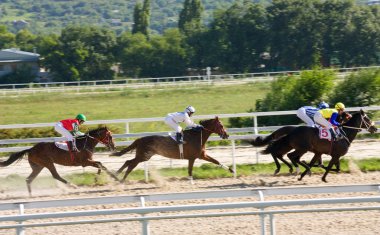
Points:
(290, 93)
(247, 36)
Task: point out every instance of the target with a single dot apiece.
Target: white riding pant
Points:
(301, 113)
(319, 119)
(170, 122)
(61, 130)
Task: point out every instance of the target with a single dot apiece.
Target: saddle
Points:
(62, 145)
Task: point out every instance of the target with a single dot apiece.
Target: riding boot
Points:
(72, 146)
(333, 135)
(179, 138)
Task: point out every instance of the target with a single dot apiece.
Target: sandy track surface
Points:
(361, 222)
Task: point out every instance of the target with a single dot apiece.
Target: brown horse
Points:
(304, 139)
(46, 154)
(194, 147)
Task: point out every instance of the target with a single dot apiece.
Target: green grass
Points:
(131, 103)
(205, 171)
(370, 164)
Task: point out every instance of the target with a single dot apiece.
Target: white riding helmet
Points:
(190, 110)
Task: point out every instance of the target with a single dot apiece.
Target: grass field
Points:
(131, 103)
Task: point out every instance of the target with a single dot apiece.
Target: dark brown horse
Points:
(304, 139)
(46, 154)
(193, 148)
(277, 134)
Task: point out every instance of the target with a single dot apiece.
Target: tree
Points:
(141, 16)
(238, 36)
(358, 89)
(25, 40)
(296, 38)
(7, 39)
(190, 17)
(82, 53)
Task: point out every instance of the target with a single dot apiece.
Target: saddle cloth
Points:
(324, 133)
(62, 145)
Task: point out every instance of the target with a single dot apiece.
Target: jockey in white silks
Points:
(174, 119)
(306, 113)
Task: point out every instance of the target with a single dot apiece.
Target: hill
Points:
(46, 16)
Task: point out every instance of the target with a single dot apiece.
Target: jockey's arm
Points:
(333, 119)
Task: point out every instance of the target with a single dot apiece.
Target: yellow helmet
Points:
(339, 106)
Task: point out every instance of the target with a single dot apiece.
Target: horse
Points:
(277, 134)
(194, 147)
(46, 154)
(304, 139)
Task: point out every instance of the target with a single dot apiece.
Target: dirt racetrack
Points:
(360, 222)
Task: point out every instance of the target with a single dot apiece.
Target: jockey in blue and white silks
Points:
(306, 113)
(174, 119)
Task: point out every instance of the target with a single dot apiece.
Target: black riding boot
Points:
(179, 138)
(333, 135)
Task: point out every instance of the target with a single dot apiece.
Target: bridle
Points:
(106, 140)
(218, 131)
(367, 124)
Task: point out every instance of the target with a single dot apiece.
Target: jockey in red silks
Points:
(69, 128)
(173, 120)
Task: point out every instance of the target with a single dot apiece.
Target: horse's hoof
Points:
(309, 172)
(232, 171)
(276, 172)
(300, 178)
(324, 180)
(297, 170)
(72, 185)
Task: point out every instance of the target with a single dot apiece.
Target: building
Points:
(11, 59)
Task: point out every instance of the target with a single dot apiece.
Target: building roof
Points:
(17, 55)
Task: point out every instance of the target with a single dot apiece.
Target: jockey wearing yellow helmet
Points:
(70, 129)
(330, 114)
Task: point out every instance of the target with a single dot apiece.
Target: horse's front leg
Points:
(102, 167)
(212, 160)
(190, 169)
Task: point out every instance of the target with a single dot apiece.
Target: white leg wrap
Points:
(224, 167)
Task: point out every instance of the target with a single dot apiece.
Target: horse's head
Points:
(363, 121)
(215, 126)
(104, 136)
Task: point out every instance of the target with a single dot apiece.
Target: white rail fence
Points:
(254, 203)
(255, 129)
(32, 88)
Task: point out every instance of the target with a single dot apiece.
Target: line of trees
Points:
(246, 37)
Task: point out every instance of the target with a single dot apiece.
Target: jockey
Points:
(331, 114)
(69, 128)
(306, 113)
(173, 120)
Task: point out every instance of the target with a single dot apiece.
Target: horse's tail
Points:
(276, 145)
(14, 157)
(127, 149)
(260, 141)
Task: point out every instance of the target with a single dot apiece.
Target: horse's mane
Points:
(94, 131)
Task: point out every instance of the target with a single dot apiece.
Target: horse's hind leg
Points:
(36, 169)
(131, 165)
(126, 164)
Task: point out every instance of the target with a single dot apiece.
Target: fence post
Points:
(20, 230)
(255, 125)
(272, 224)
(144, 223)
(233, 158)
(262, 216)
